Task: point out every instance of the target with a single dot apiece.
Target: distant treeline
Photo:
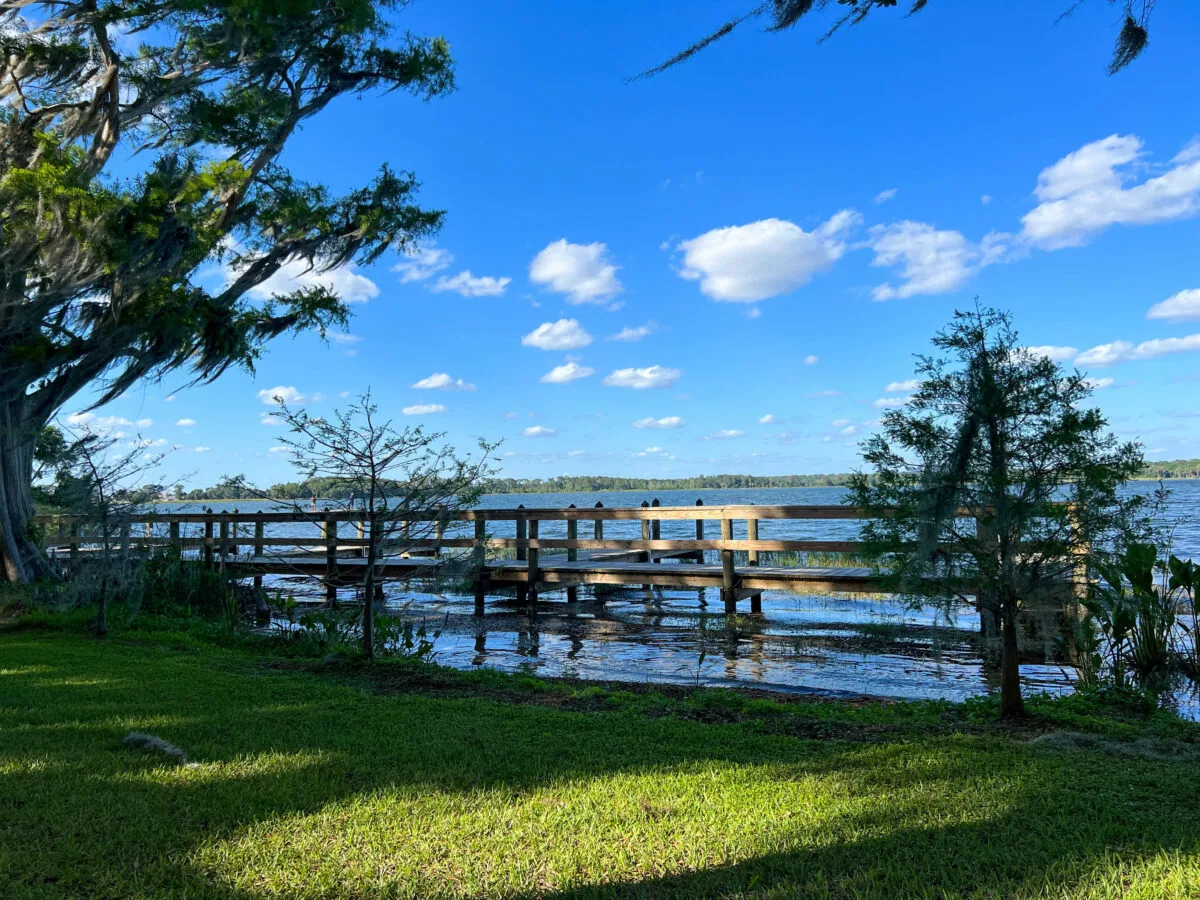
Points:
(1172, 468)
(574, 484)
(237, 489)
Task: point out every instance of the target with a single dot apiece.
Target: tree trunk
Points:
(20, 557)
(1011, 704)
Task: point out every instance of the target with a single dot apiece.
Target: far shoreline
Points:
(807, 487)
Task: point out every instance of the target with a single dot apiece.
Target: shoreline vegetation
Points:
(231, 489)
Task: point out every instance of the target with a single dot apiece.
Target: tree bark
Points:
(20, 556)
(1011, 704)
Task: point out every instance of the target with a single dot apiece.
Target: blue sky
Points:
(776, 226)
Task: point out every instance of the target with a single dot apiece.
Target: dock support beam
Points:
(572, 535)
(208, 541)
(258, 550)
(752, 535)
(329, 529)
(533, 562)
(728, 575)
(479, 553)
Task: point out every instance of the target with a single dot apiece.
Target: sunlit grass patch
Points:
(414, 782)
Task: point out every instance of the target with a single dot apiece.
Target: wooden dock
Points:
(250, 545)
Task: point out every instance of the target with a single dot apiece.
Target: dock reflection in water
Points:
(860, 644)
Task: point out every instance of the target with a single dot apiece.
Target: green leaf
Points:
(1183, 574)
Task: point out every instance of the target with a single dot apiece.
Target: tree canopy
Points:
(101, 273)
(996, 482)
(780, 15)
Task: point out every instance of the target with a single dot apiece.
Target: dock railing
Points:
(223, 535)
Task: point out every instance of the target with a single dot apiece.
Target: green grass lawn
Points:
(410, 783)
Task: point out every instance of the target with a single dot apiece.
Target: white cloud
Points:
(565, 334)
(202, 449)
(640, 379)
(885, 196)
(420, 263)
(279, 450)
(1098, 383)
(724, 434)
(890, 402)
(510, 415)
(752, 313)
(581, 271)
(338, 338)
(1091, 188)
(910, 385)
(1178, 307)
(576, 453)
(271, 420)
(811, 360)
(1058, 354)
(768, 419)
(423, 409)
(664, 422)
(94, 422)
(985, 199)
(538, 431)
(1124, 351)
(566, 372)
(816, 395)
(930, 261)
(848, 430)
(839, 423)
(344, 281)
(170, 398)
(633, 334)
(440, 381)
(282, 393)
(471, 286)
(745, 263)
(185, 423)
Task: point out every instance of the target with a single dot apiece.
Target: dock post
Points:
(752, 535)
(329, 529)
(987, 607)
(224, 541)
(655, 528)
(533, 561)
(700, 534)
(173, 535)
(208, 539)
(522, 539)
(478, 553)
(572, 535)
(439, 532)
(258, 550)
(73, 550)
(233, 535)
(728, 575)
(646, 534)
(645, 537)
(599, 527)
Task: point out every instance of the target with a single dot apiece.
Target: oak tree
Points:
(141, 142)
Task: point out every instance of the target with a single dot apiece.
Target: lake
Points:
(839, 644)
